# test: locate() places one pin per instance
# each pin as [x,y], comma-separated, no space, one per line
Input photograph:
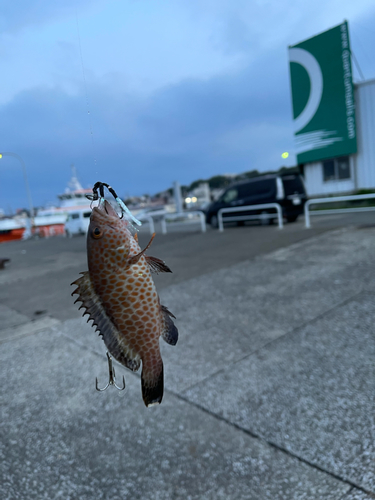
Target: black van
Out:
[286,190]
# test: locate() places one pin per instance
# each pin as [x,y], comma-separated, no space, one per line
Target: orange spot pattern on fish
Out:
[120,297]
[127,298]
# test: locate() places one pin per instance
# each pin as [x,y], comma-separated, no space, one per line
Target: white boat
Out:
[49,221]
[11,229]
[73,198]
[17,228]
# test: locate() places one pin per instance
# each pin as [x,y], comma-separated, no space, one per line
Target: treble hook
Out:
[112,377]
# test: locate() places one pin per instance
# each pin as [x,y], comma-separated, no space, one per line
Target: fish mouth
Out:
[104,212]
[109,209]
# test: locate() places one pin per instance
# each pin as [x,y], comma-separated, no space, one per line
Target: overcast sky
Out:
[140,93]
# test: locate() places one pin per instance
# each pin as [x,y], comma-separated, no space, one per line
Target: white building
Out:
[357,171]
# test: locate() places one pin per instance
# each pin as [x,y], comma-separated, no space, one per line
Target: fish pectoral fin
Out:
[169,331]
[133,260]
[157,265]
[136,237]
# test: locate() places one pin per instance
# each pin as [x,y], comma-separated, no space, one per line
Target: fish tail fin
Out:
[152,380]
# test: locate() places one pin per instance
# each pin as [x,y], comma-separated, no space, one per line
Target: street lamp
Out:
[31,208]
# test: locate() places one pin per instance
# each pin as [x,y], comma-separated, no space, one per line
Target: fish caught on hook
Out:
[119,295]
[112,377]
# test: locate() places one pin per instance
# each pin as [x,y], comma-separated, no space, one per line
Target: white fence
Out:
[184,215]
[150,220]
[250,217]
[336,210]
[173,215]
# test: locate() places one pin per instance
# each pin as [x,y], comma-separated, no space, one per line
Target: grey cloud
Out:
[19,14]
[194,107]
[186,131]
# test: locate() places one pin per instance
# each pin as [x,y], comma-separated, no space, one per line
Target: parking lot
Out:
[270,391]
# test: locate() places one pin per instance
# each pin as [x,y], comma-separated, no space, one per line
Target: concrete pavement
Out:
[270,391]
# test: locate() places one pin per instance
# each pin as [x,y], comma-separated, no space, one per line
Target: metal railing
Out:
[185,215]
[336,210]
[150,220]
[250,217]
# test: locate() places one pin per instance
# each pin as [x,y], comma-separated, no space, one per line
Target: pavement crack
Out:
[276,446]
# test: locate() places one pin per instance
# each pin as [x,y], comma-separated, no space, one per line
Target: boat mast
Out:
[74,183]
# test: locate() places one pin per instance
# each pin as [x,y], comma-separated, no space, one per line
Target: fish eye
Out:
[97,233]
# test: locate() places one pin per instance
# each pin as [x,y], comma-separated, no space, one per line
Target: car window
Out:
[230,195]
[256,188]
[86,215]
[246,190]
[263,187]
[75,216]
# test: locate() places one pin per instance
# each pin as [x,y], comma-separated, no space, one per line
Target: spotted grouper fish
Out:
[120,297]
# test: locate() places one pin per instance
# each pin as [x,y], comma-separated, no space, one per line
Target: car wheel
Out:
[214,222]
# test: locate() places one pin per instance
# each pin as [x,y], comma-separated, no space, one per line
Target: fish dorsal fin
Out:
[157,265]
[111,336]
[169,329]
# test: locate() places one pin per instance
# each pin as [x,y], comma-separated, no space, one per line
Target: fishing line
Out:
[86,93]
[100,185]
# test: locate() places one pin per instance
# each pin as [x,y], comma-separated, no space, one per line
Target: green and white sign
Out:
[323,96]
